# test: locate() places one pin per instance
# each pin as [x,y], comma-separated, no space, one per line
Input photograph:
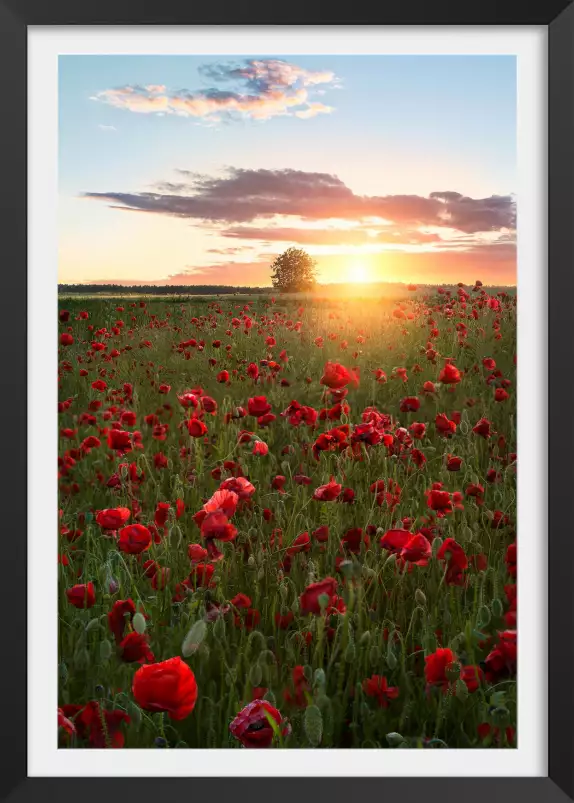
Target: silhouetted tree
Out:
[293,271]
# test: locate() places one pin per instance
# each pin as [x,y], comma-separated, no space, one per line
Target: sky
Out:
[201,170]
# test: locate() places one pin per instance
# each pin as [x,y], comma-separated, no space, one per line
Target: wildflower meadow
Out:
[288,522]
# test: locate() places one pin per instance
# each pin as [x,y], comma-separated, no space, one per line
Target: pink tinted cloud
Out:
[262,89]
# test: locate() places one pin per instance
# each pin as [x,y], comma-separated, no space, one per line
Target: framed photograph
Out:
[286,299]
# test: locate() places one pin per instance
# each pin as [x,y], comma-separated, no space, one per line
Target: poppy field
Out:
[288,522]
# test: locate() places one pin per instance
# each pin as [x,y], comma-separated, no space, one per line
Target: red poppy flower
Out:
[88,723]
[376,686]
[336,376]
[134,538]
[258,406]
[122,610]
[251,725]
[82,595]
[436,664]
[450,375]
[134,648]
[416,550]
[113,518]
[309,599]
[328,492]
[166,686]
[196,427]
[410,404]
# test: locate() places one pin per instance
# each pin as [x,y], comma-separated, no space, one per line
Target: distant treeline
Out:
[158,290]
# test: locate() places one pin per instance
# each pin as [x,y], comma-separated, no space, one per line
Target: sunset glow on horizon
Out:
[201,170]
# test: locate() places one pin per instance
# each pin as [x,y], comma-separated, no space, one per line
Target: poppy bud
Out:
[270,697]
[365,639]
[63,673]
[394,739]
[496,607]
[105,650]
[483,617]
[420,598]
[391,658]
[193,639]
[461,689]
[255,675]
[138,623]
[350,654]
[319,679]
[134,712]
[313,725]
[436,545]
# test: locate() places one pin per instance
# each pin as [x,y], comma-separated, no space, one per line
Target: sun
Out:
[358,273]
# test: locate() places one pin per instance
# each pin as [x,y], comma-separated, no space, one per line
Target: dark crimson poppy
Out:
[166,686]
[134,648]
[82,595]
[134,538]
[483,428]
[454,556]
[453,463]
[472,676]
[501,661]
[251,725]
[510,559]
[410,404]
[122,611]
[88,719]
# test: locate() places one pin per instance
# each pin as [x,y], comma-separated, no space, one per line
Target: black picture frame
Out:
[15,17]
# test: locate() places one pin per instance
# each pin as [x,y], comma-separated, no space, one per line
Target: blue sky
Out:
[383,125]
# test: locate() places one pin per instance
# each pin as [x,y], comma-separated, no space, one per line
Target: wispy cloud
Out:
[260,89]
[242,196]
[107,127]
